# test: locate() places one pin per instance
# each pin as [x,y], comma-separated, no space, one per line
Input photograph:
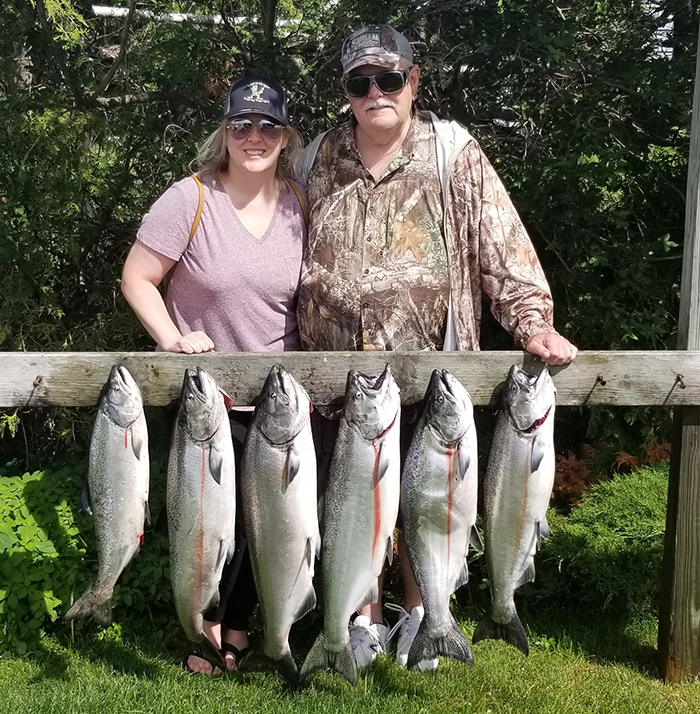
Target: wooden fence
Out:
[44,379]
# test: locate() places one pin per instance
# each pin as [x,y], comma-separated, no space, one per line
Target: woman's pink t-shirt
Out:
[239,289]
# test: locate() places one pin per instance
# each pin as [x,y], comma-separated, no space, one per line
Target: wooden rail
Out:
[45,379]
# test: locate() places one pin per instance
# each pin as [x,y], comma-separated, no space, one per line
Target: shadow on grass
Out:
[608,638]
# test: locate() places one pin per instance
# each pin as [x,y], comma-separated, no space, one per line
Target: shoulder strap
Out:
[193,230]
[301,199]
[303,168]
[200,206]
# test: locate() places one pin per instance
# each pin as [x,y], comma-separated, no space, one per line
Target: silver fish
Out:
[517,489]
[360,508]
[279,496]
[438,511]
[201,504]
[116,492]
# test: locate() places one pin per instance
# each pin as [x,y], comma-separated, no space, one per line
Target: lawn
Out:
[590,666]
[590,619]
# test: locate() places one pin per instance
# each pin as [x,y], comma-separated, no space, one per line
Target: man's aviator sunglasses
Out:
[389,82]
[242,128]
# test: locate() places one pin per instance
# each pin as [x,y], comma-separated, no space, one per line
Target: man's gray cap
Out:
[380,45]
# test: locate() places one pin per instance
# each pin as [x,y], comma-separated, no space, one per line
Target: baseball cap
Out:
[257,95]
[376,44]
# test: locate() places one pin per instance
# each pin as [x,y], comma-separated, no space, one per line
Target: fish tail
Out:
[95,602]
[321,657]
[512,632]
[257,660]
[452,644]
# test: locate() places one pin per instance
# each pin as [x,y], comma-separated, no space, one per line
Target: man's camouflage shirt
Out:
[382,255]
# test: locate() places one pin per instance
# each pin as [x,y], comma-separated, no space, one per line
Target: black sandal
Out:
[238,654]
[189,670]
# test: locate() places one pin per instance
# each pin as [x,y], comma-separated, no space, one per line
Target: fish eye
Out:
[358,394]
[440,399]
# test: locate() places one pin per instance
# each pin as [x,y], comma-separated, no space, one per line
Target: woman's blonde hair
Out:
[212,156]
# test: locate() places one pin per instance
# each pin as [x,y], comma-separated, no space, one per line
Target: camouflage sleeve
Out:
[492,234]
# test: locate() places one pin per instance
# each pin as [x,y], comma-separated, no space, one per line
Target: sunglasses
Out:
[241,129]
[389,82]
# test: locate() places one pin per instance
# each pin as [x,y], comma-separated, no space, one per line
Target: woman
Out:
[229,244]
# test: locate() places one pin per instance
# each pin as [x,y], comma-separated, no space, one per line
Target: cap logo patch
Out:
[256,93]
[368,39]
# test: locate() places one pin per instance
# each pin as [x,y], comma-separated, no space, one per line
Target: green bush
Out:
[48,557]
[606,555]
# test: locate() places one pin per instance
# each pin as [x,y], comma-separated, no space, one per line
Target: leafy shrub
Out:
[606,555]
[48,557]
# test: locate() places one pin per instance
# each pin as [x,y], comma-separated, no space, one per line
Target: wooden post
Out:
[679,618]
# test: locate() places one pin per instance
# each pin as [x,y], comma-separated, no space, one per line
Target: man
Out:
[409,223]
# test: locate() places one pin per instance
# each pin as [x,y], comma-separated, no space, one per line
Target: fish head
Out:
[448,409]
[202,405]
[372,404]
[121,397]
[529,398]
[284,406]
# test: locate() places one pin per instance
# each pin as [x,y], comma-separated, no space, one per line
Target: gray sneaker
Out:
[367,639]
[407,627]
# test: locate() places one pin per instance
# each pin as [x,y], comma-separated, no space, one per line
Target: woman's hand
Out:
[192,343]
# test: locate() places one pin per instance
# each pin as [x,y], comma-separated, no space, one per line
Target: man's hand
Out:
[552,348]
[192,343]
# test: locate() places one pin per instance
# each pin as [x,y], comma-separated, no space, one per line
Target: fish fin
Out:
[462,577]
[542,530]
[390,548]
[209,652]
[95,602]
[382,463]
[307,606]
[138,442]
[451,644]
[463,459]
[257,661]
[228,402]
[85,499]
[291,465]
[231,550]
[475,540]
[372,595]
[320,657]
[216,463]
[537,453]
[223,556]
[317,541]
[527,575]
[512,632]
[146,513]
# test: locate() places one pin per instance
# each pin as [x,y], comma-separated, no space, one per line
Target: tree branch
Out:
[80,97]
[122,52]
[124,99]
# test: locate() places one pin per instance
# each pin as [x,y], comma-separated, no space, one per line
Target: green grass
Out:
[592,643]
[574,666]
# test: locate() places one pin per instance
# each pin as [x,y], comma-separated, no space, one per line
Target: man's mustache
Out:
[377,104]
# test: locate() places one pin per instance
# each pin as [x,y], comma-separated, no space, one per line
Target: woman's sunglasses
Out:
[390,82]
[241,129]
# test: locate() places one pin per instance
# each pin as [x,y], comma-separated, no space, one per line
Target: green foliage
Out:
[605,557]
[48,557]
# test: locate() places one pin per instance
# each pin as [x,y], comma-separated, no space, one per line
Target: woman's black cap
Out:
[257,95]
